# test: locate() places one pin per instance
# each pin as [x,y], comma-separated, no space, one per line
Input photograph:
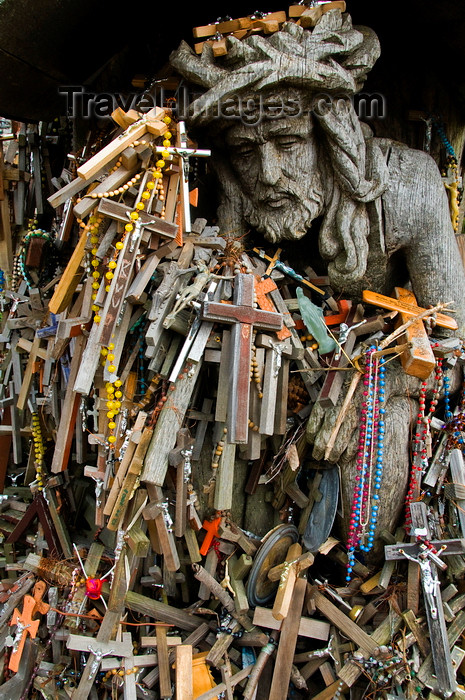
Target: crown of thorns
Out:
[334,56]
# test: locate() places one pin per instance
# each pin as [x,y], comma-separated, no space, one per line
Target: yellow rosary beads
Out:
[39,451]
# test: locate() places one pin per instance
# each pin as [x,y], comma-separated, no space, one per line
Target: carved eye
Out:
[286,143]
[244,151]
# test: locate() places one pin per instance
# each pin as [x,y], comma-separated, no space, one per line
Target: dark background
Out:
[45,44]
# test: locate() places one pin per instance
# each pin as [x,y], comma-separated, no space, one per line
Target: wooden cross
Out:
[406,308]
[275,262]
[244,318]
[457,469]
[264,286]
[38,509]
[418,360]
[184,153]
[24,626]
[150,122]
[99,475]
[287,643]
[180,458]
[287,579]
[157,510]
[120,212]
[273,412]
[98,649]
[212,527]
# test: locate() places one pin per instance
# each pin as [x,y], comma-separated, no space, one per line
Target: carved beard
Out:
[289,221]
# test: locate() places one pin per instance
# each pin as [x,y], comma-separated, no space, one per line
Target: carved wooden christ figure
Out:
[294,162]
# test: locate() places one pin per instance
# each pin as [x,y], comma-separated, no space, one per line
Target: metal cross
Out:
[184,153]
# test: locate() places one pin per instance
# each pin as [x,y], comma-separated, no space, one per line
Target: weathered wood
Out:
[287,642]
[308,627]
[184,685]
[70,278]
[418,360]
[164,437]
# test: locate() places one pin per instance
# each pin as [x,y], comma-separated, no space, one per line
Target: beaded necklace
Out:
[370,458]
[48,257]
[152,183]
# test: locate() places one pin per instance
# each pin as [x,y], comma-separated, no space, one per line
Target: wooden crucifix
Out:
[407,308]
[25,625]
[184,153]
[273,411]
[180,457]
[243,317]
[150,122]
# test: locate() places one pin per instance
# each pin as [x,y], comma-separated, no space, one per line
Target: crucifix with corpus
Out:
[184,153]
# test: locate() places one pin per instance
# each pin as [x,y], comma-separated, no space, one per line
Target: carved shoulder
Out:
[415,204]
[417,221]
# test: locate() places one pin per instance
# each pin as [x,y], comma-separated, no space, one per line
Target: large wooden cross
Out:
[243,317]
[406,308]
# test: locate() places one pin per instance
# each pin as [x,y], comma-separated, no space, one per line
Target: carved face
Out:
[277,169]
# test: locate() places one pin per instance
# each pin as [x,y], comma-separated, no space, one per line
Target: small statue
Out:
[312,316]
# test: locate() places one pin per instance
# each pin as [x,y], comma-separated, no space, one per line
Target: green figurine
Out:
[312,316]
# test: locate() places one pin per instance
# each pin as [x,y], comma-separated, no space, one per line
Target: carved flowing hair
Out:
[333,60]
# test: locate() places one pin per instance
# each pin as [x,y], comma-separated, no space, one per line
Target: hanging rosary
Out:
[370,458]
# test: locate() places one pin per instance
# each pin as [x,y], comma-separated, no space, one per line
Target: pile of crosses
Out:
[151,342]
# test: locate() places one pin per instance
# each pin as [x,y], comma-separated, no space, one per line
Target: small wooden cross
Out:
[98,649]
[212,527]
[99,475]
[24,626]
[418,360]
[275,262]
[153,224]
[457,469]
[157,510]
[263,286]
[275,384]
[244,318]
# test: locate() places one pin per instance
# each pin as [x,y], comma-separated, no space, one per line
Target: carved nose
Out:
[270,166]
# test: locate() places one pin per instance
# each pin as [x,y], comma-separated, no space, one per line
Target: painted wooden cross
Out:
[263,287]
[243,317]
[184,153]
[275,262]
[406,307]
[24,625]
